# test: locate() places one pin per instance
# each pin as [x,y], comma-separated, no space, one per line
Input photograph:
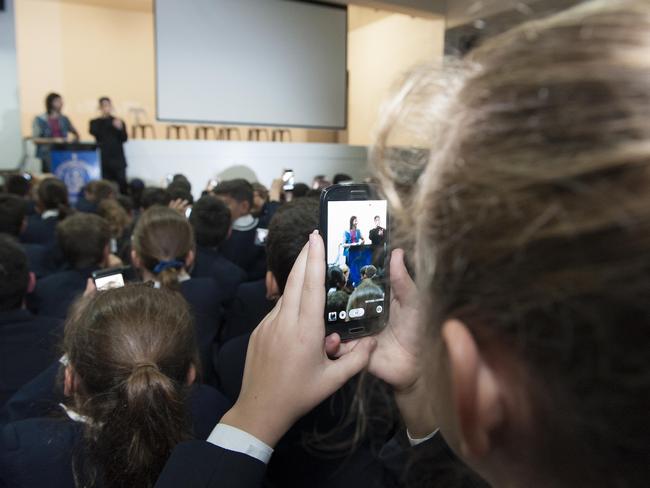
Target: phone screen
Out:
[288,180]
[109,282]
[356,261]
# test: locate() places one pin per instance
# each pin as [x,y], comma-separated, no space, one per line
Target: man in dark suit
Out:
[13,222]
[244,247]
[84,242]
[378,233]
[110,134]
[210,219]
[27,342]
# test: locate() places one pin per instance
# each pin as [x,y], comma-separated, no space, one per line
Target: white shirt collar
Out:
[74,415]
[50,213]
[245,222]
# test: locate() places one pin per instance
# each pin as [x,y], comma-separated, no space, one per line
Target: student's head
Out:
[53,195]
[288,232]
[300,190]
[12,214]
[335,277]
[210,220]
[237,195]
[163,245]
[152,196]
[98,190]
[377,220]
[53,103]
[180,190]
[368,272]
[353,222]
[341,178]
[363,297]
[14,274]
[132,358]
[18,185]
[105,106]
[530,231]
[135,189]
[260,197]
[118,219]
[84,240]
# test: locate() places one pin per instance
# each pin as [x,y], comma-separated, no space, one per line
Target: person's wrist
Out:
[268,426]
[414,404]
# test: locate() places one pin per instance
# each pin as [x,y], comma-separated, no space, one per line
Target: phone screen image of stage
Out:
[356,255]
[109,282]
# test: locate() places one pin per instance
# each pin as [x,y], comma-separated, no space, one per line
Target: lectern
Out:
[76,164]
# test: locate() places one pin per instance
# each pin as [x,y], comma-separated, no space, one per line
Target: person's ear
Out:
[477,393]
[135,259]
[272,288]
[31,284]
[191,375]
[70,381]
[189,259]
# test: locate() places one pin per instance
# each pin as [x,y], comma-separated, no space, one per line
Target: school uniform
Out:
[27,346]
[246,310]
[40,258]
[39,451]
[55,293]
[210,263]
[244,248]
[41,229]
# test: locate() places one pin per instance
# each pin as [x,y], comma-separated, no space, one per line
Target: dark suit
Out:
[27,346]
[55,293]
[40,231]
[377,235]
[241,249]
[38,451]
[247,310]
[209,263]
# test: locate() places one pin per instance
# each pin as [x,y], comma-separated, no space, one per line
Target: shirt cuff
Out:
[415,442]
[234,439]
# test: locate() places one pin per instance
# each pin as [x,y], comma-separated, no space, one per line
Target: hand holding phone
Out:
[288,180]
[107,279]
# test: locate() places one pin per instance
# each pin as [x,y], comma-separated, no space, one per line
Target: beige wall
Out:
[84,51]
[382,46]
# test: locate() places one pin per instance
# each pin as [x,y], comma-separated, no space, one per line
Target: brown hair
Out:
[163,235]
[83,239]
[523,192]
[116,216]
[132,348]
[53,195]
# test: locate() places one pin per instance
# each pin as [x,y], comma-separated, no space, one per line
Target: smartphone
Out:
[354,227]
[188,212]
[212,184]
[106,279]
[288,180]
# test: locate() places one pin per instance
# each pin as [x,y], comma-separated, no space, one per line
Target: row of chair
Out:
[205,132]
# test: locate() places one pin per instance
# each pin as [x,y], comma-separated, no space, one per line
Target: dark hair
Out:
[377,217]
[288,232]
[530,222]
[210,219]
[126,202]
[180,190]
[53,195]
[135,189]
[163,234]
[300,190]
[335,277]
[104,99]
[14,274]
[341,177]
[152,196]
[369,271]
[98,190]
[12,214]
[18,185]
[261,189]
[352,219]
[238,189]
[83,237]
[49,101]
[337,301]
[132,349]
[361,295]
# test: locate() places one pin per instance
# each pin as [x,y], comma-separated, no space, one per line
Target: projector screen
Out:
[251,62]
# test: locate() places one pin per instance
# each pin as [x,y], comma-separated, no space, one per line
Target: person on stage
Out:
[110,133]
[377,235]
[352,237]
[51,125]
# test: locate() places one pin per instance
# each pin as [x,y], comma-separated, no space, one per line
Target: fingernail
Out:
[312,239]
[315,232]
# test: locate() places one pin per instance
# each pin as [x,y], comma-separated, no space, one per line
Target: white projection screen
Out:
[251,62]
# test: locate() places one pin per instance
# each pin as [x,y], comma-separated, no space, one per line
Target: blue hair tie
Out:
[163,265]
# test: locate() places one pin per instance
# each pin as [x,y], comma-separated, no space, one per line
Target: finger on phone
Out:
[312,302]
[293,288]
[332,344]
[400,281]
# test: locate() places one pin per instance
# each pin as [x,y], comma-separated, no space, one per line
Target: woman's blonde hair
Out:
[520,180]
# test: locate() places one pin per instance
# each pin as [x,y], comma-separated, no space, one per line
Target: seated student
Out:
[120,224]
[84,241]
[131,396]
[154,196]
[368,275]
[52,207]
[162,252]
[210,219]
[94,193]
[26,341]
[243,247]
[12,222]
[525,342]
[21,186]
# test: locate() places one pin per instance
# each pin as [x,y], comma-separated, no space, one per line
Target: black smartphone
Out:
[106,279]
[354,226]
[288,180]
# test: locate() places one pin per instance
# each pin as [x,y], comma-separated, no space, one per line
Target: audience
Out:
[129,382]
[244,247]
[94,193]
[26,341]
[210,220]
[120,224]
[84,241]
[52,206]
